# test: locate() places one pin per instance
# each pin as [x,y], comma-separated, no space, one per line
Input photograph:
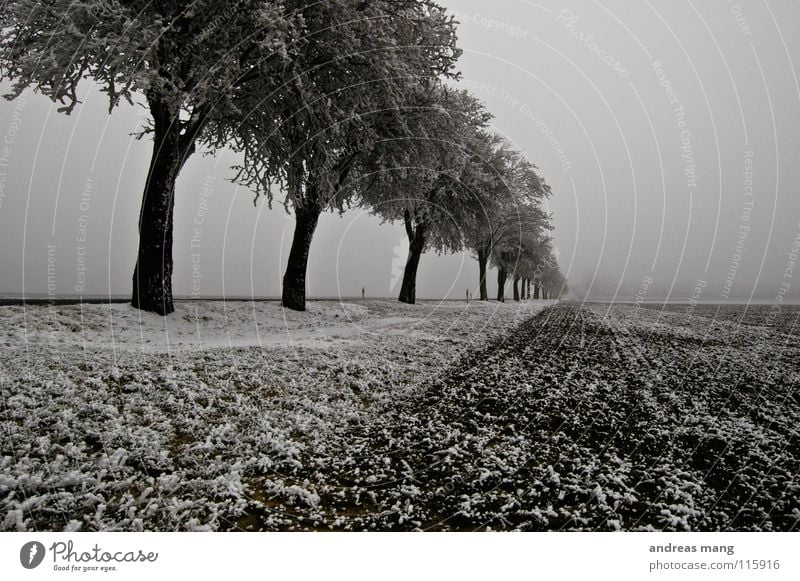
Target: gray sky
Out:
[669,132]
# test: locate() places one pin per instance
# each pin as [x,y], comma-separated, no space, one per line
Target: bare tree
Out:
[352,73]
[187,59]
[508,184]
[418,179]
[517,244]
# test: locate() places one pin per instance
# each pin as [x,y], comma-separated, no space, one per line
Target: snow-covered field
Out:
[380,416]
[116,419]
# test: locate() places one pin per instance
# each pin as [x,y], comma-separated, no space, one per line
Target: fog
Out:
[669,133]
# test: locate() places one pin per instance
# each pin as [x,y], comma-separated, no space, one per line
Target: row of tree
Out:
[331,105]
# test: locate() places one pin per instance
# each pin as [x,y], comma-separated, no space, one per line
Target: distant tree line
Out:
[332,105]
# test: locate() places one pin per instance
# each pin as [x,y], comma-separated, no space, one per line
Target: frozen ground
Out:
[377,416]
[116,419]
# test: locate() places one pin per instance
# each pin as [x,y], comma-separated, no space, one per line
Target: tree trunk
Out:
[516,288]
[536,290]
[294,280]
[152,276]
[528,293]
[501,284]
[483,260]
[416,239]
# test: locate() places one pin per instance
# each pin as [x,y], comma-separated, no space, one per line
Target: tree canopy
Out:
[191,61]
[329,104]
[354,70]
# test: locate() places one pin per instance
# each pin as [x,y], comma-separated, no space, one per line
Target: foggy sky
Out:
[669,132]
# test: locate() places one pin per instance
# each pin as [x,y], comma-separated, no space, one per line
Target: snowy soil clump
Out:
[220,416]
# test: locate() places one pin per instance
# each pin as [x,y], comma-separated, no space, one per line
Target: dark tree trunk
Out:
[528,292]
[501,284]
[152,276]
[294,280]
[536,290]
[306,217]
[416,239]
[516,288]
[483,261]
